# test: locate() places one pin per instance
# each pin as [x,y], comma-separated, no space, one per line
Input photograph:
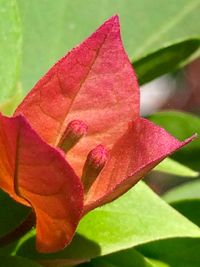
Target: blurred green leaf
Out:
[9,105]
[10,49]
[190,208]
[11,213]
[50,29]
[188,191]
[157,263]
[137,217]
[182,125]
[186,199]
[128,258]
[17,262]
[165,60]
[176,252]
[171,166]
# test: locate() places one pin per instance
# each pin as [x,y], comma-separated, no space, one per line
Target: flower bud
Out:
[95,162]
[75,130]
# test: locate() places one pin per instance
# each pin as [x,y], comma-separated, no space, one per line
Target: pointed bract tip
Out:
[114,20]
[190,139]
[111,22]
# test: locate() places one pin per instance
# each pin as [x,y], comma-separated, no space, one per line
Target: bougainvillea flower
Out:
[77,140]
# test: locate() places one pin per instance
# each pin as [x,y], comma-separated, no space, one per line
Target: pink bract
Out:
[94,87]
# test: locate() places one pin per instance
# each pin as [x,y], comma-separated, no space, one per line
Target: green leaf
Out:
[137,217]
[171,166]
[156,263]
[188,191]
[165,60]
[182,125]
[128,258]
[186,199]
[48,34]
[17,262]
[10,48]
[11,213]
[8,106]
[176,252]
[189,208]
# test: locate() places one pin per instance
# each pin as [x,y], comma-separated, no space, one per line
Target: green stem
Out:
[19,231]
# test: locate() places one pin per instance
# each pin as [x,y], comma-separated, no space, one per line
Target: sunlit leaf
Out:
[136,218]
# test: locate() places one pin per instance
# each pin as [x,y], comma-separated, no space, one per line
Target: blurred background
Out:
[162,40]
[180,91]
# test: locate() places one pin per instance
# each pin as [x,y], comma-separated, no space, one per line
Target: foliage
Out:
[139,228]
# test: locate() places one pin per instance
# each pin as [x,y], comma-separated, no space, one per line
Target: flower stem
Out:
[19,231]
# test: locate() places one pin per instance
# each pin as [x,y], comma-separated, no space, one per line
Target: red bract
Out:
[36,174]
[83,113]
